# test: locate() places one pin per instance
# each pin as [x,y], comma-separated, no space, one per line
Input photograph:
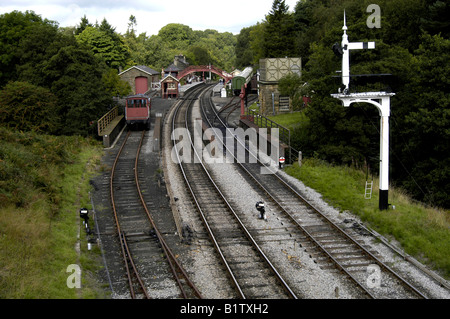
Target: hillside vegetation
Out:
[44,181]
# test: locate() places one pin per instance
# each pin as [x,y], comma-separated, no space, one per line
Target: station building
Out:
[178,65]
[271,71]
[141,78]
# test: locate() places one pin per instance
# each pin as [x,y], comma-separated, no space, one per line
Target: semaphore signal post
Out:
[379,99]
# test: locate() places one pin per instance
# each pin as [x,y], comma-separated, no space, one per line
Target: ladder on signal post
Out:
[368,192]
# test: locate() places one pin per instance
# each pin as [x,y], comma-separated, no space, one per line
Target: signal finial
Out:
[345,23]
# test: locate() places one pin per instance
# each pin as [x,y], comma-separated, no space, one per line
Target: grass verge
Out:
[289,120]
[423,232]
[44,182]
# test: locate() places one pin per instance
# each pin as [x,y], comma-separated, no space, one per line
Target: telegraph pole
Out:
[379,99]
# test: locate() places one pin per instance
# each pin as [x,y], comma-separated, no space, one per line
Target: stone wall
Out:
[265,98]
[131,75]
[281,104]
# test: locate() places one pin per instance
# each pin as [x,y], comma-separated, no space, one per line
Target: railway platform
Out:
[187,87]
[110,126]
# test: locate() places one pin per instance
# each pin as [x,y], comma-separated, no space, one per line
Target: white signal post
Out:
[379,99]
[346,47]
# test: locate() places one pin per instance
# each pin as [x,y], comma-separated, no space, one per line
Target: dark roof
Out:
[147,69]
[142,68]
[172,68]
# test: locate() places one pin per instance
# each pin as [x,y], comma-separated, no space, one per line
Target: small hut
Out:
[169,87]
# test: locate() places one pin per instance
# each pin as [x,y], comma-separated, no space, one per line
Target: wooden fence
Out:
[106,119]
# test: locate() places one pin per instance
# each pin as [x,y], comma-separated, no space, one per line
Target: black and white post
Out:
[379,99]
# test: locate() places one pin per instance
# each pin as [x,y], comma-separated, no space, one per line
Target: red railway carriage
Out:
[137,110]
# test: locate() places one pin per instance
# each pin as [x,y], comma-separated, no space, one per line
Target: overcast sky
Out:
[151,15]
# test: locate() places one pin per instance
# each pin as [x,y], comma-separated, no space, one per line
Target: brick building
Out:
[141,78]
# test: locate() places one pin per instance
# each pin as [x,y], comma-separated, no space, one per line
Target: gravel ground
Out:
[304,274]
[199,259]
[399,264]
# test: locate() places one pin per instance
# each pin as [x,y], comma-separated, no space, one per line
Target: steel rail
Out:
[197,204]
[171,259]
[127,252]
[310,236]
[247,233]
[363,249]
[241,224]
[127,257]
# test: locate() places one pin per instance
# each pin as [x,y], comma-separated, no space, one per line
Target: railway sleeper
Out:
[274,238]
[354,263]
[233,242]
[251,269]
[254,282]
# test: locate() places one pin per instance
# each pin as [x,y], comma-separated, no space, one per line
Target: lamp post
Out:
[381,100]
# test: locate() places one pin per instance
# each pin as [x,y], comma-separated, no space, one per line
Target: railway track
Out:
[233,106]
[330,244]
[251,272]
[149,262]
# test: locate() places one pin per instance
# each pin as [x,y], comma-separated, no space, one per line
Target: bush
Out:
[29,166]
[27,107]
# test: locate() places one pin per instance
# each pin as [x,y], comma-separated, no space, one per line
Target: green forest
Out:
[60,80]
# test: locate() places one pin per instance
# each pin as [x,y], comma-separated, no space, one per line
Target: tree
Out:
[257,42]
[402,22]
[35,48]
[109,30]
[76,79]
[426,125]
[55,66]
[159,50]
[291,85]
[435,20]
[156,53]
[14,27]
[26,107]
[106,45]
[83,25]
[244,52]
[131,25]
[278,32]
[114,85]
[305,26]
[176,35]
[198,55]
